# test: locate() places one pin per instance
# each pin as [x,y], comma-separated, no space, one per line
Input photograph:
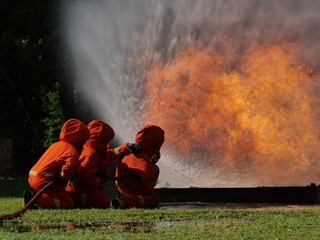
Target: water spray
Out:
[234,84]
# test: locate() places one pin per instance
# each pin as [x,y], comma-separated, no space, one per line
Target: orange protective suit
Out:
[138,170]
[88,190]
[61,160]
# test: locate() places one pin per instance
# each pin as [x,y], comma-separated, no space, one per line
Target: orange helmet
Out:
[100,132]
[74,131]
[150,138]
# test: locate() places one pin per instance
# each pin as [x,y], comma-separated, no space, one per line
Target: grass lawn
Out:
[158,223]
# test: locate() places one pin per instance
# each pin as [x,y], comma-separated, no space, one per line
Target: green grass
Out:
[159,223]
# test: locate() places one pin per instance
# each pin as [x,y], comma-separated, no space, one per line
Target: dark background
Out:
[37,94]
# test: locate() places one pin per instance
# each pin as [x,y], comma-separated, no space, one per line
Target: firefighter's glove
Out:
[155,158]
[134,148]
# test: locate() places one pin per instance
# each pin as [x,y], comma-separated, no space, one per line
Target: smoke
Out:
[116,44]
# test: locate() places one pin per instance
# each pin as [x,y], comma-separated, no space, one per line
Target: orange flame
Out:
[259,116]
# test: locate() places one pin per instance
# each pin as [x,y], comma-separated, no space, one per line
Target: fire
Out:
[258,114]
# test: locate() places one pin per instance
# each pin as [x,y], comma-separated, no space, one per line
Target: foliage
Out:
[53,123]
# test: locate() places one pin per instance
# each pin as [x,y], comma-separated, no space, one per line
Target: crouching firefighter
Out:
[87,190]
[137,174]
[59,163]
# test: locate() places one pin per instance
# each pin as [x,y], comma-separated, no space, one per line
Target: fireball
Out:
[257,114]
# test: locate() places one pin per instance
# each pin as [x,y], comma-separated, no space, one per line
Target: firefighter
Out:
[59,163]
[88,190]
[137,174]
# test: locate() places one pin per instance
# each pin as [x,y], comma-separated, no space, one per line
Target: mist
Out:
[114,45]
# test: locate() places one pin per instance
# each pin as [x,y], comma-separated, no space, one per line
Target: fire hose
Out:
[29,204]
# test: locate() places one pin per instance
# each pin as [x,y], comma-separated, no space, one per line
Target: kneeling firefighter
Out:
[137,174]
[88,189]
[59,163]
